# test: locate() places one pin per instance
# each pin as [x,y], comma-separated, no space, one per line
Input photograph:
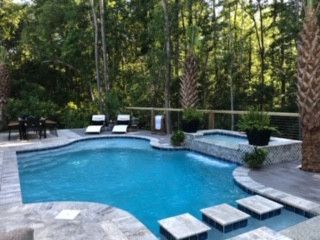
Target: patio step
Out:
[183,226]
[262,233]
[259,207]
[225,218]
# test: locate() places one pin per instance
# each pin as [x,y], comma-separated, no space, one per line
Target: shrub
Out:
[31,105]
[255,120]
[191,120]
[177,138]
[191,114]
[77,116]
[256,158]
[112,104]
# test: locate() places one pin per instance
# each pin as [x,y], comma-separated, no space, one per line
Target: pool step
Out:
[262,233]
[183,226]
[38,165]
[259,207]
[225,218]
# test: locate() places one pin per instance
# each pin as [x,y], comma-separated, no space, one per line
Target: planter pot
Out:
[190,126]
[258,137]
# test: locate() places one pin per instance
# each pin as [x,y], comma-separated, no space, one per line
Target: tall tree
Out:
[309,88]
[4,83]
[104,47]
[167,90]
[96,51]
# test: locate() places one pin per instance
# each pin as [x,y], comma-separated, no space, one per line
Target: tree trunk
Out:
[309,90]
[311,150]
[167,93]
[96,51]
[262,47]
[104,49]
[177,39]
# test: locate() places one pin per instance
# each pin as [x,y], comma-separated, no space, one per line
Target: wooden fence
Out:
[286,121]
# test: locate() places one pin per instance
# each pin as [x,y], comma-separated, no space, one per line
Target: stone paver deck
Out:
[93,221]
[263,233]
[183,226]
[306,230]
[289,178]
[225,216]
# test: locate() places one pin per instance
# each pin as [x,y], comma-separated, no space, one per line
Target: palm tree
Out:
[309,89]
[189,82]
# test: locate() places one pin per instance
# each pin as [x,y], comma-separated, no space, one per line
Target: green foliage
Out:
[177,138]
[191,114]
[255,120]
[3,55]
[256,158]
[51,53]
[112,104]
[77,116]
[31,105]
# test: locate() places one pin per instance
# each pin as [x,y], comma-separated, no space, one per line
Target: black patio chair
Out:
[52,124]
[12,126]
[32,124]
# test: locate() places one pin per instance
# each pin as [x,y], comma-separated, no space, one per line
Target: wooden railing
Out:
[282,118]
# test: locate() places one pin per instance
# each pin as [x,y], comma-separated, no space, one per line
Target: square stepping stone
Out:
[259,207]
[183,226]
[263,233]
[225,217]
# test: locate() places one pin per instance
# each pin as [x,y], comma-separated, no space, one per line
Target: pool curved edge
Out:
[154,142]
[297,204]
[94,221]
[10,191]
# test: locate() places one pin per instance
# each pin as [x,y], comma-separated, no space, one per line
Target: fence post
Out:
[211,120]
[152,120]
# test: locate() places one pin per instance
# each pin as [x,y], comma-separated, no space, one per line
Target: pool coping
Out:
[291,202]
[10,191]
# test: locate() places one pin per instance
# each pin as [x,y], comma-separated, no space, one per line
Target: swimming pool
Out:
[128,173]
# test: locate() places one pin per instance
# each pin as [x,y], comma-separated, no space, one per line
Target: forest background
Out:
[63,63]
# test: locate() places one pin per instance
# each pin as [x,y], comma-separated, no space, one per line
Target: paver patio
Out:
[289,178]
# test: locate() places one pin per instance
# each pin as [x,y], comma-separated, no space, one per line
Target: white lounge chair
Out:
[97,124]
[123,122]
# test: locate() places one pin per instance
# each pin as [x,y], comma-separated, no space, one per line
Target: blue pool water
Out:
[224,139]
[130,174]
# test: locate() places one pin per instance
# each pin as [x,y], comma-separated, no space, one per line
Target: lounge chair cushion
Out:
[120,129]
[123,117]
[94,129]
[18,234]
[98,118]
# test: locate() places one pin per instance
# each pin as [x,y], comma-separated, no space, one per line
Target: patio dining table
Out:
[29,124]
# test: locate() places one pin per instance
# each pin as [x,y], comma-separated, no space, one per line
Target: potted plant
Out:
[256,158]
[177,138]
[191,120]
[257,127]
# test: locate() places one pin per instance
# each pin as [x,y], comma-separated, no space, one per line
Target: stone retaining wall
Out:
[280,150]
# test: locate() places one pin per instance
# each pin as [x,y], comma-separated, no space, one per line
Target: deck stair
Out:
[225,218]
[259,207]
[262,233]
[183,226]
